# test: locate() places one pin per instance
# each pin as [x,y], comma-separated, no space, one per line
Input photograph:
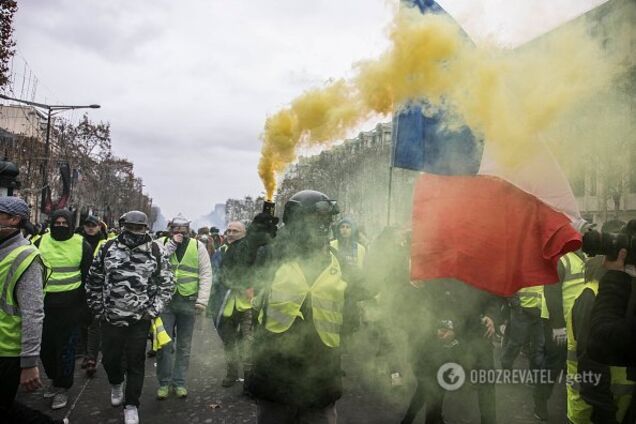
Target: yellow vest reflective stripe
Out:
[360,249]
[290,290]
[12,266]
[573,284]
[579,411]
[64,258]
[574,281]
[186,272]
[530,297]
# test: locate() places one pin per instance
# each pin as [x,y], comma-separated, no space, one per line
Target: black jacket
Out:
[295,367]
[612,338]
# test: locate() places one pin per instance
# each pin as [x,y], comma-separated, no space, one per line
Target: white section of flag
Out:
[511,23]
[539,175]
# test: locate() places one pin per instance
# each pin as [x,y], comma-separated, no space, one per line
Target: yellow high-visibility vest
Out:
[579,411]
[186,272]
[360,249]
[530,297]
[64,258]
[290,290]
[572,285]
[12,266]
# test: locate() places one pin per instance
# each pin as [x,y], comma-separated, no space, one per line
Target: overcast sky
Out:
[187,84]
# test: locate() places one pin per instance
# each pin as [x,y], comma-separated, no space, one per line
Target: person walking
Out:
[22,276]
[69,256]
[190,262]
[130,283]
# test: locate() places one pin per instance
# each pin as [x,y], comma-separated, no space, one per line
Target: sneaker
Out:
[181,391]
[163,392]
[130,415]
[50,391]
[117,394]
[59,400]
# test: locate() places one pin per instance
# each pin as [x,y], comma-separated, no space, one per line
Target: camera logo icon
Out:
[451,376]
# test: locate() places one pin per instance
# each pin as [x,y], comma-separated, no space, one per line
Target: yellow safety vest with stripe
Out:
[290,290]
[64,258]
[579,411]
[11,269]
[361,252]
[572,285]
[186,272]
[530,297]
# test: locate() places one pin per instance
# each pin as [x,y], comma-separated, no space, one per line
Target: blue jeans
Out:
[178,320]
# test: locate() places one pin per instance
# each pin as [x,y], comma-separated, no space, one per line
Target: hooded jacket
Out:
[127,284]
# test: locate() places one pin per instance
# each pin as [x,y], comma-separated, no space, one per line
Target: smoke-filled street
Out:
[363,402]
[322,212]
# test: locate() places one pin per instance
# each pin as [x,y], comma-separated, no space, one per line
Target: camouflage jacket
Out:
[127,284]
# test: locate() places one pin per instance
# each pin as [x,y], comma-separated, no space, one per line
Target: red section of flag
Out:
[486,232]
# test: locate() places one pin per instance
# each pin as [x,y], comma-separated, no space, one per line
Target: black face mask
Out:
[61,233]
[133,240]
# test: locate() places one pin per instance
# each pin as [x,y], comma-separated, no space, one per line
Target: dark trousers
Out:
[525,329]
[554,358]
[12,412]
[89,336]
[59,337]
[431,355]
[236,332]
[129,344]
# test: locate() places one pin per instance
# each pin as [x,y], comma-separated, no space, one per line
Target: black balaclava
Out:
[62,233]
[133,240]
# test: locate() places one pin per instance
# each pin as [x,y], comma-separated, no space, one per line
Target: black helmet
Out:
[308,202]
[134,217]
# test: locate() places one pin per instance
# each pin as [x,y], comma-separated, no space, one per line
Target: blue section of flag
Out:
[425,5]
[424,143]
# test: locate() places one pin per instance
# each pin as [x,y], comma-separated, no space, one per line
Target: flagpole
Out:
[394,129]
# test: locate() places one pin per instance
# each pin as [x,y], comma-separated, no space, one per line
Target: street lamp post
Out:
[51,109]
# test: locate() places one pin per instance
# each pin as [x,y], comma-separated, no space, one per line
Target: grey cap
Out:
[14,206]
[134,217]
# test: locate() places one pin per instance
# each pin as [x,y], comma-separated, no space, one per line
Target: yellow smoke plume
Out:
[508,98]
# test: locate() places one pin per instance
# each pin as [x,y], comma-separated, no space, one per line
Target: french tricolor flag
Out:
[496,227]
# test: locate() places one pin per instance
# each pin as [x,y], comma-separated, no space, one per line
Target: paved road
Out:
[365,401]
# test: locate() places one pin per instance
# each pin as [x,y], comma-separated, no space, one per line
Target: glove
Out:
[559,336]
[264,223]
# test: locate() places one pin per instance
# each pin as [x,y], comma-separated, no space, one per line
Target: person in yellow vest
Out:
[559,299]
[596,393]
[22,276]
[234,316]
[93,233]
[347,245]
[524,328]
[190,264]
[69,256]
[296,350]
